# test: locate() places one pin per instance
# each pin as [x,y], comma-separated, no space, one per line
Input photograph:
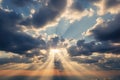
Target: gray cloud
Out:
[77,5]
[46,14]
[107,6]
[108,31]
[11,39]
[103,62]
[15,59]
[109,64]
[18,3]
[111,3]
[84,60]
[83,48]
[107,3]
[21,3]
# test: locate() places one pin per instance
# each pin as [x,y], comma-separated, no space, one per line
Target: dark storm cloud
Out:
[46,14]
[83,48]
[11,39]
[108,31]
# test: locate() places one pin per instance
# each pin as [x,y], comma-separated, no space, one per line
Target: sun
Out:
[54,51]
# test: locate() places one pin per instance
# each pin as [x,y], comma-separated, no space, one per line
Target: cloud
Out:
[24,7]
[107,6]
[9,57]
[106,30]
[47,14]
[52,11]
[15,59]
[16,41]
[84,60]
[77,5]
[83,48]
[12,39]
[78,10]
[111,63]
[102,61]
[55,41]
[21,3]
[105,33]
[18,3]
[32,56]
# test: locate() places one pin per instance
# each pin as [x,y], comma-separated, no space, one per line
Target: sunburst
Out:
[55,51]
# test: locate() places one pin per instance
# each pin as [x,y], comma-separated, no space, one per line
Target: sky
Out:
[84,33]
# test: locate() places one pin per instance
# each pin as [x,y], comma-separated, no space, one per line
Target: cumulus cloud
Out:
[18,42]
[100,61]
[109,64]
[11,38]
[15,59]
[47,14]
[55,41]
[50,11]
[58,10]
[32,56]
[92,59]
[107,6]
[106,30]
[83,48]
[78,10]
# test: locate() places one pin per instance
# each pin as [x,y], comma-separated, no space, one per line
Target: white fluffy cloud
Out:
[107,6]
[75,11]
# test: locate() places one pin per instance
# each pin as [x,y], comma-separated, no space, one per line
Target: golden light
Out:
[54,51]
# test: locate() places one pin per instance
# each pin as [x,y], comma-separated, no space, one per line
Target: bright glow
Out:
[54,51]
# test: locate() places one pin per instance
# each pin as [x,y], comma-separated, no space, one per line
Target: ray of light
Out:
[67,67]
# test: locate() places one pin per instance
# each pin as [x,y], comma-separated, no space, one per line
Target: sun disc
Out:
[55,51]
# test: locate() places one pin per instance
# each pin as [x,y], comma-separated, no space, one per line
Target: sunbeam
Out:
[59,40]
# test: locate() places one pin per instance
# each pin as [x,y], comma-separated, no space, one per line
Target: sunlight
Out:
[54,51]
